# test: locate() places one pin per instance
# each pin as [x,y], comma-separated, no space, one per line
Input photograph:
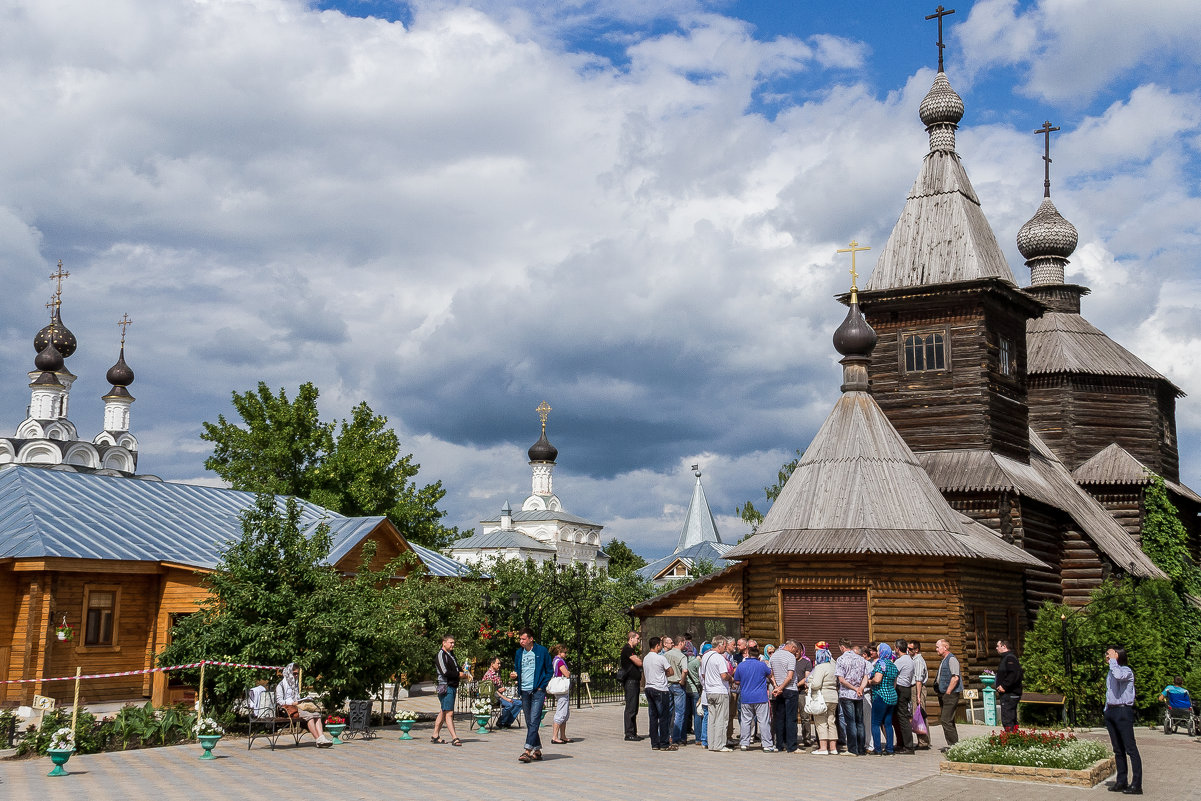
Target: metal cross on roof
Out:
[939,13]
[1046,132]
[124,322]
[543,410]
[853,249]
[58,277]
[53,305]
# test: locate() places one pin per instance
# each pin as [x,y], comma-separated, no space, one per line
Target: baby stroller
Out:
[1179,712]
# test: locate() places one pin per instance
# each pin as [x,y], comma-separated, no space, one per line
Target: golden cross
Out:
[939,13]
[58,277]
[543,410]
[124,322]
[1046,132]
[853,249]
[53,305]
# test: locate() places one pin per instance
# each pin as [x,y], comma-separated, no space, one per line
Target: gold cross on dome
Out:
[854,248]
[58,277]
[53,306]
[543,410]
[124,322]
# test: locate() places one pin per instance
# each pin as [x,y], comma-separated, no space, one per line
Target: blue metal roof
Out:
[711,551]
[54,513]
[502,538]
[545,515]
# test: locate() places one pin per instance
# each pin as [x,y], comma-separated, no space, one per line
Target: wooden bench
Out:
[1048,699]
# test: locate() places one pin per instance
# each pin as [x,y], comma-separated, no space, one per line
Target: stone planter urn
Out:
[59,757]
[207,741]
[988,681]
[405,727]
[481,724]
[335,730]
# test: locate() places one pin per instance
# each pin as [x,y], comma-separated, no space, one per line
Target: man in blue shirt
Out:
[1119,721]
[753,677]
[532,671]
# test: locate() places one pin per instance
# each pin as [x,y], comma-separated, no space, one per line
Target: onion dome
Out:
[542,450]
[48,360]
[55,331]
[941,110]
[120,374]
[855,337]
[1047,233]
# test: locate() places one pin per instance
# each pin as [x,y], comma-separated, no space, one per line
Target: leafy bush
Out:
[90,735]
[1146,617]
[1031,749]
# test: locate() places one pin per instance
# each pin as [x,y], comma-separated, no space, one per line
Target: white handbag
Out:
[559,685]
[815,704]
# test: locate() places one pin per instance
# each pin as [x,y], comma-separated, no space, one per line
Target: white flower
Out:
[62,740]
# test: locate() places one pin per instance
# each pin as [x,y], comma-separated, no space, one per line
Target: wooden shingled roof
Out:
[1044,479]
[860,489]
[942,235]
[1115,465]
[1063,342]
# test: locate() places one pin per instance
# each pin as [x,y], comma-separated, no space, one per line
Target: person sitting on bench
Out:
[287,695]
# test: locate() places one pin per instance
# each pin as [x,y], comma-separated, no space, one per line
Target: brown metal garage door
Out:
[812,615]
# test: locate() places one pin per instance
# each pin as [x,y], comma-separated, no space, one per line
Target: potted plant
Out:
[335,726]
[208,732]
[62,745]
[405,719]
[63,631]
[989,678]
[481,710]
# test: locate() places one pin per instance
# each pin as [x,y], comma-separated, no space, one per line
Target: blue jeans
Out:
[679,699]
[658,704]
[531,706]
[852,721]
[508,713]
[689,715]
[882,718]
[702,734]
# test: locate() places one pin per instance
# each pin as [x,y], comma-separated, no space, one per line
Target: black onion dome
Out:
[1047,233]
[542,450]
[48,360]
[854,337]
[120,374]
[64,340]
[942,104]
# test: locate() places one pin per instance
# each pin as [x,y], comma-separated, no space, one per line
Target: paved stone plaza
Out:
[599,765]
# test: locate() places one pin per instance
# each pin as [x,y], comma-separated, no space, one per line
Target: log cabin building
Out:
[1021,417]
[117,557]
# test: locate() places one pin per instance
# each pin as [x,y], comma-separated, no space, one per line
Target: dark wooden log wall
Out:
[994,606]
[969,405]
[1079,416]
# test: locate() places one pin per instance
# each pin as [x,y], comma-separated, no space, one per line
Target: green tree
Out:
[622,558]
[354,468]
[749,513]
[1164,538]
[1145,617]
[275,599]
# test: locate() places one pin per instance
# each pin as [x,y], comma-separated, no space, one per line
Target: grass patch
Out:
[1031,749]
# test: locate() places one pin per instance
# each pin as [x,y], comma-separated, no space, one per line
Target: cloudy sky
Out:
[629,209]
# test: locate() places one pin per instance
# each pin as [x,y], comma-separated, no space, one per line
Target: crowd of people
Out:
[866,700]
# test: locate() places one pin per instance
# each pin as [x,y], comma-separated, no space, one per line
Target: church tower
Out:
[950,368]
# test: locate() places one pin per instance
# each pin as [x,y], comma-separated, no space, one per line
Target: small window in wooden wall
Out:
[1005,356]
[925,352]
[101,606]
[980,625]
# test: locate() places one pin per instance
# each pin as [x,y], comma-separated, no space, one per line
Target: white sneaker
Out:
[743,747]
[724,750]
[822,751]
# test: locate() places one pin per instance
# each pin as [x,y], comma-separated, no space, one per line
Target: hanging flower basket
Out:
[64,632]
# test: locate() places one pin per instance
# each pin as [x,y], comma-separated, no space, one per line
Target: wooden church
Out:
[988,453]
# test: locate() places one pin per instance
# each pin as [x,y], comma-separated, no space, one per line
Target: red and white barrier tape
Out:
[145,670]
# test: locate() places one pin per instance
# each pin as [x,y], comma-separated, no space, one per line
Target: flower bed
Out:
[1031,756]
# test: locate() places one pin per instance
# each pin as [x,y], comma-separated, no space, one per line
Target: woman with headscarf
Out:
[287,695]
[884,698]
[823,680]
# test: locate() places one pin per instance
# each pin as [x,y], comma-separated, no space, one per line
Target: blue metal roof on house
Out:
[710,551]
[55,513]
